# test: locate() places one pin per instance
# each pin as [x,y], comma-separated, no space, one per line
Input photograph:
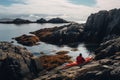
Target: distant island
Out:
[24,21]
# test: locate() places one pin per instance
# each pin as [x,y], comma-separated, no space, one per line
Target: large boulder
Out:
[102,26]
[17,63]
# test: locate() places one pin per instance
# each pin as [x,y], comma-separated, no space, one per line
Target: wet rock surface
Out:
[27,40]
[17,63]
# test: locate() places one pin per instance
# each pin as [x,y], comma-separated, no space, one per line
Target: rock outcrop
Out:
[102,26]
[61,35]
[27,40]
[17,63]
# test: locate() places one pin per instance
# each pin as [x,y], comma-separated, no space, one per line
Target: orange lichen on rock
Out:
[51,61]
[44,34]
[62,52]
[28,40]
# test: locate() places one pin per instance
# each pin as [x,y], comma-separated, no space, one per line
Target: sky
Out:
[74,10]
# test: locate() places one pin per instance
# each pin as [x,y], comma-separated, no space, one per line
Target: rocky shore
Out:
[100,27]
[105,66]
[17,63]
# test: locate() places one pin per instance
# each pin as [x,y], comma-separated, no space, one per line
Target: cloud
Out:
[108,4]
[58,8]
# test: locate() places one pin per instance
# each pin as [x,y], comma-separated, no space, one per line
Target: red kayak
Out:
[88,59]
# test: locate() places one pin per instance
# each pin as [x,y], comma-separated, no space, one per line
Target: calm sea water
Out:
[9,31]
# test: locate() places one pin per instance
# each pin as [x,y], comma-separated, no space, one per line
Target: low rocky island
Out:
[57,20]
[16,21]
[24,21]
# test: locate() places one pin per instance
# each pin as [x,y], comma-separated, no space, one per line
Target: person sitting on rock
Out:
[80,60]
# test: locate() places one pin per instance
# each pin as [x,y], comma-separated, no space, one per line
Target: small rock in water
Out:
[62,52]
[12,41]
[42,53]
[74,49]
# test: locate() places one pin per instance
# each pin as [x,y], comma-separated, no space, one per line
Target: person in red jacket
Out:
[80,60]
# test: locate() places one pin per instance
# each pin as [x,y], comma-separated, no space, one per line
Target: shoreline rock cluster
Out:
[60,35]
[66,34]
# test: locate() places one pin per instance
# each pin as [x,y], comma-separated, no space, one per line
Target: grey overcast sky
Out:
[68,9]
